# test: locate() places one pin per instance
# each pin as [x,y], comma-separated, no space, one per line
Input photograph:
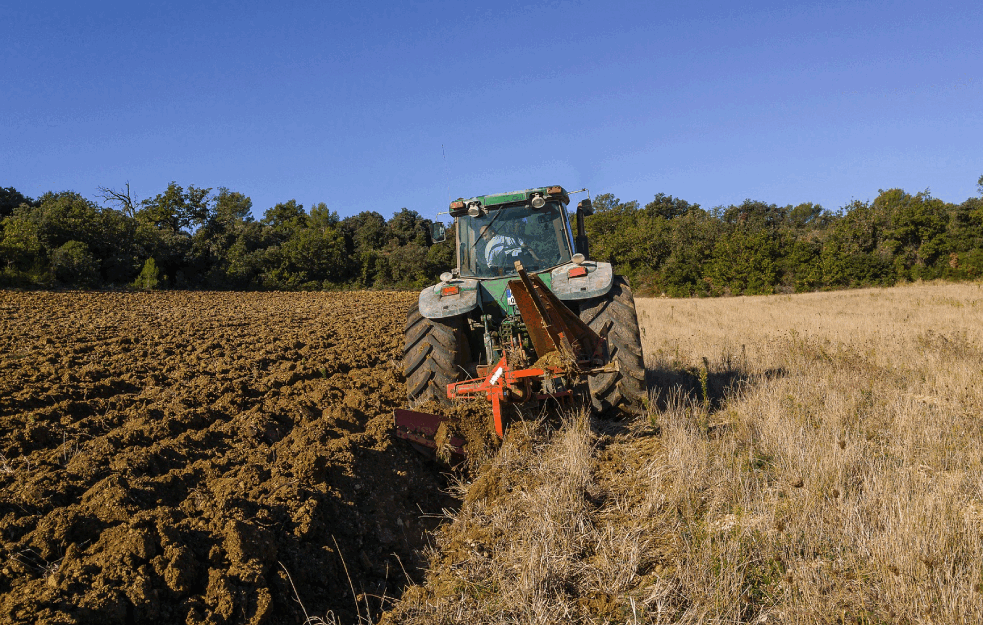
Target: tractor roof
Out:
[521,197]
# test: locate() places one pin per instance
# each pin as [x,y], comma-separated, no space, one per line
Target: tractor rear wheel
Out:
[623,391]
[435,352]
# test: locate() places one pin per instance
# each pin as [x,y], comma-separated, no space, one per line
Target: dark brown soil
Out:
[169,457]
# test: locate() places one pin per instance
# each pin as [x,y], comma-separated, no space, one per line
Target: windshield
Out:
[490,244]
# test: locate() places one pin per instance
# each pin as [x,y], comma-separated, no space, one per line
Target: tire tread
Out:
[624,391]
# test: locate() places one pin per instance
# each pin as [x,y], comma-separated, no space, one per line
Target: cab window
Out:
[490,244]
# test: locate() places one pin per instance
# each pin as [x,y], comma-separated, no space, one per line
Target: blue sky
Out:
[377,106]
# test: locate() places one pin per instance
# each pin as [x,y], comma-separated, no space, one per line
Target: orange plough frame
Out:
[504,384]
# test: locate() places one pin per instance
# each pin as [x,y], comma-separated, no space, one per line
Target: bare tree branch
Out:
[120,199]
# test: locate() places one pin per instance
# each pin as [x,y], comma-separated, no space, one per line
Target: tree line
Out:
[672,247]
[194,238]
[200,238]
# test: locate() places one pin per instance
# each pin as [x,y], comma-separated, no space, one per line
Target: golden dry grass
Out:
[811,458]
[844,469]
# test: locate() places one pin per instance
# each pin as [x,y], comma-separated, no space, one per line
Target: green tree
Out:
[756,215]
[851,254]
[170,250]
[966,225]
[408,226]
[321,217]
[207,258]
[246,257]
[73,264]
[965,240]
[149,277]
[915,230]
[114,246]
[661,247]
[440,256]
[366,231]
[365,234]
[64,217]
[285,218]
[20,247]
[746,260]
[668,207]
[177,209]
[808,217]
[606,228]
[692,241]
[802,264]
[315,255]
[232,208]
[11,198]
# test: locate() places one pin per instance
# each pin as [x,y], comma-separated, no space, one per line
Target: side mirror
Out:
[438,233]
[584,209]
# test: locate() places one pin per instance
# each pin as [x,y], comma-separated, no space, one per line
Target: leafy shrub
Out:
[73,264]
[149,277]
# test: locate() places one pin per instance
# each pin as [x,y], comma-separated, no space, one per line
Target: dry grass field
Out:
[811,458]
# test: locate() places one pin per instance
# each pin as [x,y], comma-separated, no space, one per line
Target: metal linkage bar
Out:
[504,384]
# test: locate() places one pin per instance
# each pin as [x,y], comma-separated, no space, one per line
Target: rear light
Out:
[553,190]
[577,272]
[457,205]
[449,290]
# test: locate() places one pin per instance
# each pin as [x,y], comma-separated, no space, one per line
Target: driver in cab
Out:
[503,248]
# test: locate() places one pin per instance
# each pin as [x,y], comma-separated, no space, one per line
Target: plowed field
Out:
[171,457]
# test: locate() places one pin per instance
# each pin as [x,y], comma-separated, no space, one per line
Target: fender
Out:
[597,282]
[435,306]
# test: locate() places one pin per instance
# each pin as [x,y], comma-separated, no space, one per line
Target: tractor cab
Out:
[495,235]
[530,226]
[491,242]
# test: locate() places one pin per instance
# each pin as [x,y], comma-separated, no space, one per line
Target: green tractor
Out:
[525,318]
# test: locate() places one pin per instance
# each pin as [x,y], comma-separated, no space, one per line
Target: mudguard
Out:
[597,282]
[433,306]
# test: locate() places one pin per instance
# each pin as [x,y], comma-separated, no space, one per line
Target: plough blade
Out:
[421,428]
[551,325]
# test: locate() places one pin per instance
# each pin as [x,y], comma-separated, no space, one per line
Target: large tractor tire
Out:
[435,352]
[623,392]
